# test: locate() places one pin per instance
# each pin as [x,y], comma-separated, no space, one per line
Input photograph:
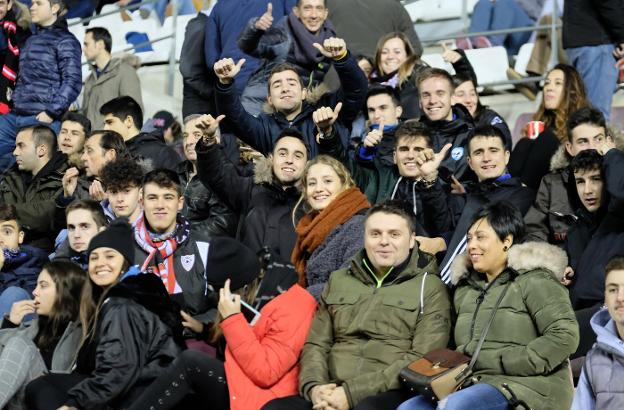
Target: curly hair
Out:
[120,174]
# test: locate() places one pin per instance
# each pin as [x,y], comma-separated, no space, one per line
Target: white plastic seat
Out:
[522,59]
[490,64]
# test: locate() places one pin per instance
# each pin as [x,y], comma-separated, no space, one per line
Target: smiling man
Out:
[121,180]
[390,292]
[74,130]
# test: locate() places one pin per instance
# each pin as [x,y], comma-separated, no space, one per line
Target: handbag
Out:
[444,371]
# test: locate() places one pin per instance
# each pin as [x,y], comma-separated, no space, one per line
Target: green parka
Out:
[365,331]
[534,331]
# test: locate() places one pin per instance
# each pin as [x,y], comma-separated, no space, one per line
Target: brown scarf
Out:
[314,227]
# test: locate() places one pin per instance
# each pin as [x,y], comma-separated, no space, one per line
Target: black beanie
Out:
[230,259]
[118,236]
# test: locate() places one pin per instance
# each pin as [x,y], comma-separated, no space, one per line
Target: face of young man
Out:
[586,136]
[27,156]
[387,240]
[125,202]
[5,5]
[90,48]
[286,93]
[42,12]
[81,228]
[94,156]
[71,138]
[435,98]
[589,185]
[312,14]
[487,157]
[122,127]
[614,298]
[289,160]
[161,206]
[405,155]
[381,107]
[11,236]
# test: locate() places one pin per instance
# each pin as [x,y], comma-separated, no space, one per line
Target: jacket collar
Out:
[522,258]
[608,339]
[417,263]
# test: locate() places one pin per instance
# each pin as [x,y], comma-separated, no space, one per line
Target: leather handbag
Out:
[444,371]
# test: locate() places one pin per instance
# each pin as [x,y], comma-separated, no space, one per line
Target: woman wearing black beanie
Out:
[131,332]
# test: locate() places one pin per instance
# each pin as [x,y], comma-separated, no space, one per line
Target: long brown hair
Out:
[407,67]
[574,97]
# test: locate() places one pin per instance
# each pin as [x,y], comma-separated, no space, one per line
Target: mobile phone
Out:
[252,315]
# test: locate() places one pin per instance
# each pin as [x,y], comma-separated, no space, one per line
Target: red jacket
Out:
[262,362]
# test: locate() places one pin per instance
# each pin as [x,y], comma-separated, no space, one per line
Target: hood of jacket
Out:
[608,339]
[522,258]
[58,163]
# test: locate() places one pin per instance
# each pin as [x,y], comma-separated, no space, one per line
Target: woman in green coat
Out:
[524,360]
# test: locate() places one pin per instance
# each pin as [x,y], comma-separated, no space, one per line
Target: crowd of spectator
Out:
[327,210]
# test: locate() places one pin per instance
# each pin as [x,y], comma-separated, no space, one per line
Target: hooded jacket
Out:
[599,386]
[117,79]
[22,269]
[138,334]
[366,330]
[50,77]
[260,132]
[263,206]
[34,198]
[534,330]
[152,151]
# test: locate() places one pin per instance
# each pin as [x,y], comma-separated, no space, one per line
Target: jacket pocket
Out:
[343,309]
[397,316]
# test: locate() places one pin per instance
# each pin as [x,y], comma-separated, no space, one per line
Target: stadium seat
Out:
[431,10]
[490,65]
[522,59]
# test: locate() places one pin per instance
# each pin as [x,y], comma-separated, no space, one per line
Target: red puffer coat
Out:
[262,361]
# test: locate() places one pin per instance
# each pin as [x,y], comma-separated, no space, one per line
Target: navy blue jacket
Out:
[23,269]
[50,77]
[260,132]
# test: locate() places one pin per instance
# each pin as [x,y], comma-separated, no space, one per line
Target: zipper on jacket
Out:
[479,301]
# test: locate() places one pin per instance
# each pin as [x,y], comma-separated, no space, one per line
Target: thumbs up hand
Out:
[325,117]
[266,20]
[450,56]
[333,47]
[226,70]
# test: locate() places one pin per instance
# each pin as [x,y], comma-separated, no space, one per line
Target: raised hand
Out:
[209,126]
[266,20]
[70,181]
[21,309]
[229,304]
[333,47]
[96,191]
[325,117]
[448,55]
[568,274]
[226,69]
[429,162]
[374,137]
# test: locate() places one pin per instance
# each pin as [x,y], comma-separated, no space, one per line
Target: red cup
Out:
[534,128]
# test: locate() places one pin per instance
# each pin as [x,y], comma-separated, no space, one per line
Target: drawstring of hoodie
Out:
[396,187]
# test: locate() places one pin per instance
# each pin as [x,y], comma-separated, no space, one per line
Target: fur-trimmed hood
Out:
[263,171]
[561,159]
[522,258]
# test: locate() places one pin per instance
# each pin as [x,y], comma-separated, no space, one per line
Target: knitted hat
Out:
[118,236]
[230,259]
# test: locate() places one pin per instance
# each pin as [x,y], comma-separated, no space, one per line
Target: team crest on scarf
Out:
[187,262]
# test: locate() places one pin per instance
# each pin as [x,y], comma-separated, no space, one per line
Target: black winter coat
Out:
[152,151]
[264,208]
[50,77]
[593,23]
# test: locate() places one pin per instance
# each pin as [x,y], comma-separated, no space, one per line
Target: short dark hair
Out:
[78,118]
[122,107]
[504,218]
[101,34]
[281,67]
[413,129]
[485,131]
[120,174]
[587,160]
[615,263]
[585,115]
[432,72]
[42,135]
[292,133]
[8,212]
[164,178]
[97,213]
[379,89]
[111,140]
[61,4]
[395,207]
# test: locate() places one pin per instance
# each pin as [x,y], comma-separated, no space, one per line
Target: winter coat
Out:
[379,179]
[151,149]
[134,342]
[361,23]
[534,330]
[336,252]
[118,79]
[35,199]
[591,23]
[22,270]
[208,214]
[260,132]
[599,386]
[66,347]
[478,196]
[596,238]
[263,206]
[50,76]
[454,132]
[262,361]
[364,333]
[530,159]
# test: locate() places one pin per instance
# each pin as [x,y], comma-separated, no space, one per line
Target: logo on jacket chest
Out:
[187,262]
[457,153]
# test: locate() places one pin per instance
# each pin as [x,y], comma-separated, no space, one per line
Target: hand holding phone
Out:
[229,304]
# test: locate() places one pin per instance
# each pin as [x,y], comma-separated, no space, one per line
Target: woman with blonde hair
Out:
[332,230]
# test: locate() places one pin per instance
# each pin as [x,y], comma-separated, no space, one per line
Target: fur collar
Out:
[561,159]
[263,171]
[522,258]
